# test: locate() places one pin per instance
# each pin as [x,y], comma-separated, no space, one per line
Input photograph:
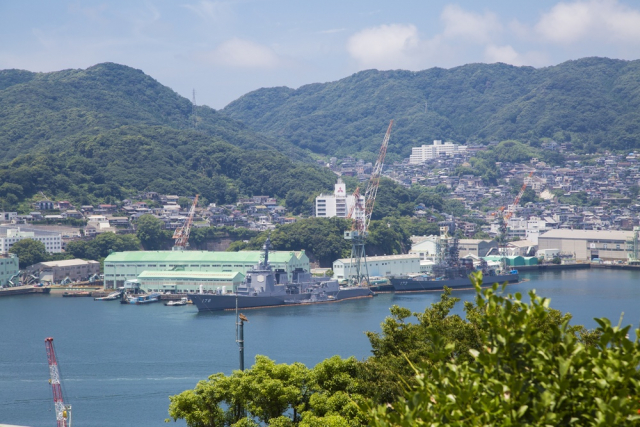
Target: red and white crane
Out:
[63,412]
[181,235]
[361,215]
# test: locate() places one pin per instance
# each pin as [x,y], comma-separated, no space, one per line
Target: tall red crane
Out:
[181,235]
[517,199]
[361,215]
[63,412]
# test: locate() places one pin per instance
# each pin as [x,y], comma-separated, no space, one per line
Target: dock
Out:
[23,290]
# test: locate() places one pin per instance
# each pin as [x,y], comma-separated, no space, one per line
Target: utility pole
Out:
[240,319]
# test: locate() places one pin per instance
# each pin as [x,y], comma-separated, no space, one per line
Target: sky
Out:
[224,49]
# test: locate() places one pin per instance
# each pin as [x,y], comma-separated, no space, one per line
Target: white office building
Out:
[9,236]
[337,204]
[438,149]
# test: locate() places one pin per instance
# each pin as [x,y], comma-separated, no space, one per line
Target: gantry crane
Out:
[361,216]
[63,411]
[181,235]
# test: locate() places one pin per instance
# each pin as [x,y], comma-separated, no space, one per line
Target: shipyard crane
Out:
[63,411]
[361,216]
[181,235]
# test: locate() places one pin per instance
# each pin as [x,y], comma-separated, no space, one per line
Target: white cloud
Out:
[384,46]
[241,53]
[603,20]
[215,11]
[474,27]
[506,54]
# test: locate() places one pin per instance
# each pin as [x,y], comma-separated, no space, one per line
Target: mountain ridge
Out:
[473,103]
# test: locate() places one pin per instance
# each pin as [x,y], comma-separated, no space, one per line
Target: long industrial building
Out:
[57,271]
[387,265]
[587,245]
[121,266]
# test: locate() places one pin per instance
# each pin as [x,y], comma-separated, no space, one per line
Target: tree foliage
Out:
[151,232]
[102,244]
[507,362]
[522,374]
[276,395]
[102,134]
[29,252]
[589,102]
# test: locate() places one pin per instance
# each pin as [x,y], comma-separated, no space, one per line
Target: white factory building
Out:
[381,266]
[337,204]
[10,235]
[438,149]
[588,245]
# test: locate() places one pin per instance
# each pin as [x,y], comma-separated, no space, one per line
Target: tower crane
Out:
[361,215]
[63,411]
[181,235]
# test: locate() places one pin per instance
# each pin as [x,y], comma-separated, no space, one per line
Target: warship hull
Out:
[406,284]
[215,302]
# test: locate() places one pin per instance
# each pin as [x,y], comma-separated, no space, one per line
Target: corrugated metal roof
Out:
[587,234]
[191,275]
[384,258]
[68,263]
[199,256]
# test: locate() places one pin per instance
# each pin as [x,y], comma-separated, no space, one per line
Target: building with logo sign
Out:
[337,204]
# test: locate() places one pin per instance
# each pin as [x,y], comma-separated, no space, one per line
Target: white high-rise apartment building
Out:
[337,204]
[52,241]
[428,152]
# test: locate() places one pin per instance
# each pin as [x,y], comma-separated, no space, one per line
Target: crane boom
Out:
[181,235]
[361,216]
[374,182]
[62,411]
[517,199]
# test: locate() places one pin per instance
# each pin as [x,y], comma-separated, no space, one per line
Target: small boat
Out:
[181,301]
[144,299]
[77,294]
[111,297]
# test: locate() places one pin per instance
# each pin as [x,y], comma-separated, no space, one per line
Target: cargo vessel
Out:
[265,287]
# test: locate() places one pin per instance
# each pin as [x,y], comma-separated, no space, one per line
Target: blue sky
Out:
[224,49]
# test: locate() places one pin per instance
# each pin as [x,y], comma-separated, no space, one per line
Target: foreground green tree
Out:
[275,395]
[523,374]
[29,252]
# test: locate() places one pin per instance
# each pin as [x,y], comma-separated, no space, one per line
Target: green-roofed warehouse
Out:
[121,266]
[188,281]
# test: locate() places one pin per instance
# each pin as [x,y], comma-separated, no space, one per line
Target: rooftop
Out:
[68,263]
[587,234]
[191,275]
[201,256]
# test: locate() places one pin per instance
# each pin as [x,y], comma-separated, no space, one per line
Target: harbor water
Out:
[120,363]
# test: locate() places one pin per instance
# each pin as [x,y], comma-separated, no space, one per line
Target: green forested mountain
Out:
[99,134]
[47,110]
[591,102]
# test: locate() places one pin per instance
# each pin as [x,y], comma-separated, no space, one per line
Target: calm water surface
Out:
[120,363]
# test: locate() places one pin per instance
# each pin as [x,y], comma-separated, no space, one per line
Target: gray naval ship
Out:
[266,287]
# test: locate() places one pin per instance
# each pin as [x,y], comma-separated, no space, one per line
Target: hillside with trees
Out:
[591,102]
[101,134]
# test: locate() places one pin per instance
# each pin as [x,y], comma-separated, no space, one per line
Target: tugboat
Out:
[181,301]
[265,287]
